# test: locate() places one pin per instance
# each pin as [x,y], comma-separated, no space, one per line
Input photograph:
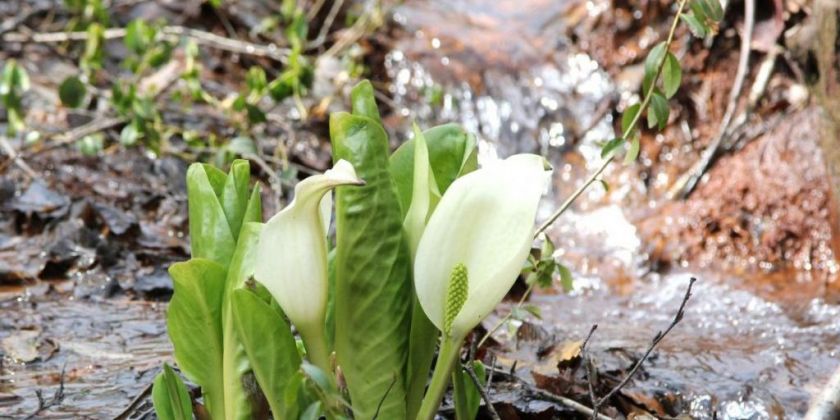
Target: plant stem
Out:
[450,350]
[648,95]
[317,351]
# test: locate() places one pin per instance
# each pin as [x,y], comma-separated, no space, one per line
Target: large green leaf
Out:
[219,204]
[210,234]
[452,153]
[235,363]
[194,322]
[373,291]
[170,396]
[270,346]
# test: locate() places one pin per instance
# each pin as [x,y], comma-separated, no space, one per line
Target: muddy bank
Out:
[764,208]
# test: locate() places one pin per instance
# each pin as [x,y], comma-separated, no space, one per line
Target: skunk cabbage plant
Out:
[199,317]
[292,257]
[426,245]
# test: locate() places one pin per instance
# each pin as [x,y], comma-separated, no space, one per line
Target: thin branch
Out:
[686,183]
[325,28]
[481,390]
[548,396]
[587,364]
[15,157]
[56,399]
[204,38]
[134,402]
[508,316]
[656,339]
[632,126]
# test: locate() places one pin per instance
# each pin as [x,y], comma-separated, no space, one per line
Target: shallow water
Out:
[749,347]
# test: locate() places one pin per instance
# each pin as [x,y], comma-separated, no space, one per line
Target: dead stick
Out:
[204,38]
[548,396]
[15,157]
[688,181]
[656,339]
[134,402]
[481,390]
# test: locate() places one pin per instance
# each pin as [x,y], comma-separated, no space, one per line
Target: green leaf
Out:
[466,394]
[170,396]
[452,153]
[610,147]
[628,117]
[363,101]
[194,323]
[91,145]
[235,362]
[373,287]
[72,92]
[270,347]
[313,412]
[632,151]
[566,275]
[255,114]
[210,233]
[139,36]
[658,111]
[713,9]
[256,80]
[699,11]
[652,61]
[671,75]
[698,27]
[129,134]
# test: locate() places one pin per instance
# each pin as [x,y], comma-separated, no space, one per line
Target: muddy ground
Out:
[84,243]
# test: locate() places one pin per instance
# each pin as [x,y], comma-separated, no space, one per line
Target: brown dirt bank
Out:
[765,207]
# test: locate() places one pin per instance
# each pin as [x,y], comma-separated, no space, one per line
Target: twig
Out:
[481,390]
[507,317]
[325,28]
[632,126]
[56,399]
[315,9]
[604,107]
[134,402]
[548,396]
[200,37]
[686,183]
[587,364]
[13,23]
[15,157]
[353,34]
[656,339]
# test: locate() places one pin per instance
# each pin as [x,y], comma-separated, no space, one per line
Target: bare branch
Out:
[481,390]
[656,339]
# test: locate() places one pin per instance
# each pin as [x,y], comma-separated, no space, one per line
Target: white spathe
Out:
[292,251]
[485,220]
